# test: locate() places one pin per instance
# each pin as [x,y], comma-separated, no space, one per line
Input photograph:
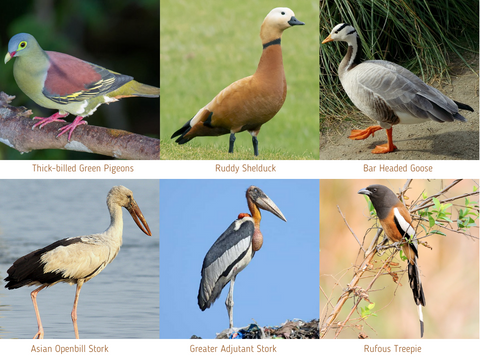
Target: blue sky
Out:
[280,283]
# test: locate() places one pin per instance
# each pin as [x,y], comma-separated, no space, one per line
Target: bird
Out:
[396,222]
[70,85]
[234,250]
[250,102]
[75,260]
[388,93]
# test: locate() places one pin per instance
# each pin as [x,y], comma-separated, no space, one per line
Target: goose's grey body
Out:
[387,92]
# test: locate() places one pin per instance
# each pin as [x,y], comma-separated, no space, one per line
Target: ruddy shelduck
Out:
[250,102]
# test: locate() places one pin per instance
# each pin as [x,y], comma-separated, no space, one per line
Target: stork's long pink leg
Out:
[33,295]
[74,310]
[70,127]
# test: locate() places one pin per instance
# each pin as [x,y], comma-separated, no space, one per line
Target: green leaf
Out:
[424,228]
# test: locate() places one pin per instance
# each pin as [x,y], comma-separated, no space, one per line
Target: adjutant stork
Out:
[76,260]
[233,250]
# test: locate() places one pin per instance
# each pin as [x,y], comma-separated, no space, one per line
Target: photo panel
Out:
[279,284]
[446,239]
[41,212]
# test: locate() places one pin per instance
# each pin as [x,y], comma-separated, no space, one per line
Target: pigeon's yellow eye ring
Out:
[22,45]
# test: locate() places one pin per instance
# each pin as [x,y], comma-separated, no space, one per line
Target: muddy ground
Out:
[426,141]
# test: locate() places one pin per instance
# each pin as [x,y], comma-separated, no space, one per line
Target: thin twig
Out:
[343,298]
[366,290]
[349,228]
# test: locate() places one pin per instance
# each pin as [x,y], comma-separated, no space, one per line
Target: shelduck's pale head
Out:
[342,32]
[276,21]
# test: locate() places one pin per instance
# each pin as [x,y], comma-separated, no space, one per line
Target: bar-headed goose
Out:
[387,92]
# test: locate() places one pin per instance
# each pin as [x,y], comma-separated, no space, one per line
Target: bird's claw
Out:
[71,127]
[363,134]
[47,120]
[384,149]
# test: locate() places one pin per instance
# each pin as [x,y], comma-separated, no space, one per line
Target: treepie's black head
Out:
[381,196]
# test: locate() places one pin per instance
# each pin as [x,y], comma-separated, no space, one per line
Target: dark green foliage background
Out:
[420,35]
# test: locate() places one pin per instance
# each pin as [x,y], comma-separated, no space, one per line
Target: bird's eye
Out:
[283,12]
[22,45]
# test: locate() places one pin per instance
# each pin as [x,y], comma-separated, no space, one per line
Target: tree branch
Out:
[16,132]
[356,278]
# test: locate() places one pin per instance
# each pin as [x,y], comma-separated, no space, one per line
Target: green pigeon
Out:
[70,85]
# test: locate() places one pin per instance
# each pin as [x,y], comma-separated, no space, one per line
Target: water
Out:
[122,301]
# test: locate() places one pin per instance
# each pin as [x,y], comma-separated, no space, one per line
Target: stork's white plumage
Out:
[76,260]
[234,250]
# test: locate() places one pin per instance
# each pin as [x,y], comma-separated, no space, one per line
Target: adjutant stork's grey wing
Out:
[232,251]
[405,92]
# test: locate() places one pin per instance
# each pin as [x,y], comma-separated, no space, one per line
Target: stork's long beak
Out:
[137,216]
[364,191]
[327,39]
[265,203]
[8,57]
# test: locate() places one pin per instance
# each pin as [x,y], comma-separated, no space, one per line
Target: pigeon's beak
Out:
[9,56]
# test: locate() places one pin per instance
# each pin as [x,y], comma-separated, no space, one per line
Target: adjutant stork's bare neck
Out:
[254,211]
[257,238]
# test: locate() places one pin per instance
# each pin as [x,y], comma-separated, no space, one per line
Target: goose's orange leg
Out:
[385,148]
[363,134]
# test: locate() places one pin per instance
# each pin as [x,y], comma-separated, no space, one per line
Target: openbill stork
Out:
[76,260]
[234,250]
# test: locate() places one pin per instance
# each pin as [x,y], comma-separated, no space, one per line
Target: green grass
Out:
[207,45]
[169,150]
[420,35]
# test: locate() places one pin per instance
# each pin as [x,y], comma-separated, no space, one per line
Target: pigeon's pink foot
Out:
[70,127]
[57,117]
